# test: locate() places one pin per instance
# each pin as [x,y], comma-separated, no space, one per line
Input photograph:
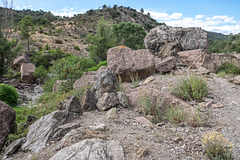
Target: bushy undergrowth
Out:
[173,113]
[8,94]
[191,88]
[228,68]
[216,146]
[95,68]
[40,72]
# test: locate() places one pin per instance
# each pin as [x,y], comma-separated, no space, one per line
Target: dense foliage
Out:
[8,94]
[229,68]
[129,34]
[231,44]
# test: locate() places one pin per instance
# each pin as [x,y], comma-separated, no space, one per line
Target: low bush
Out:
[228,68]
[8,94]
[76,48]
[216,146]
[191,88]
[101,63]
[41,72]
[58,41]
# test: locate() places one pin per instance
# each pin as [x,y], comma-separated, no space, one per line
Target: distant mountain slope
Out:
[212,36]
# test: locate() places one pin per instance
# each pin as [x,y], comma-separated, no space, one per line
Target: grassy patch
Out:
[191,88]
[228,69]
[135,81]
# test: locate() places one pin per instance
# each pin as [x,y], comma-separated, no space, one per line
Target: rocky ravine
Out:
[162,141]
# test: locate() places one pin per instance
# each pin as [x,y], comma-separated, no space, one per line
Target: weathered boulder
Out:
[130,64]
[7,122]
[27,70]
[188,38]
[194,58]
[56,85]
[107,101]
[156,97]
[105,81]
[201,71]
[144,121]
[13,147]
[91,149]
[17,63]
[165,65]
[236,80]
[41,132]
[71,104]
[88,100]
[123,99]
[170,49]
[87,79]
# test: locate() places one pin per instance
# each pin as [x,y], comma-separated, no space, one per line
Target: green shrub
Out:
[101,63]
[8,94]
[191,88]
[48,85]
[58,41]
[12,74]
[228,68]
[40,72]
[216,146]
[76,48]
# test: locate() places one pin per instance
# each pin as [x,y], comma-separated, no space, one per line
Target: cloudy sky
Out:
[213,15]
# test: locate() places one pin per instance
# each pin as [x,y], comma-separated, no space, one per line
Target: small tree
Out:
[142,10]
[130,34]
[26,27]
[102,41]
[58,32]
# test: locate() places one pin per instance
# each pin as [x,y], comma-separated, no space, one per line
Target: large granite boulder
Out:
[105,81]
[188,38]
[19,61]
[165,65]
[87,79]
[195,58]
[91,149]
[27,70]
[7,122]
[130,64]
[44,129]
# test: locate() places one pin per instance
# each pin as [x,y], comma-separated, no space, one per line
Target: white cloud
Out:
[218,23]
[199,16]
[69,12]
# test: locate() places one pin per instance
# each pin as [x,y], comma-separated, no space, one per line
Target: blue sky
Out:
[213,15]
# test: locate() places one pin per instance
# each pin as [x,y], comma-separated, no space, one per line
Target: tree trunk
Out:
[28,46]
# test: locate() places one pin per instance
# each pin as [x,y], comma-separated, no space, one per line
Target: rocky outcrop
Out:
[7,122]
[107,101]
[165,65]
[57,84]
[236,80]
[130,64]
[44,129]
[87,79]
[27,70]
[17,63]
[14,82]
[105,81]
[91,149]
[194,58]
[13,147]
[123,99]
[188,38]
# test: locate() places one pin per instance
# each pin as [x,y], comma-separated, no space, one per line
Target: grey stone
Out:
[91,149]
[88,100]
[188,38]
[170,49]
[105,81]
[56,85]
[73,105]
[107,101]
[14,82]
[123,99]
[7,122]
[19,61]
[13,147]
[165,65]
[27,70]
[41,132]
[87,79]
